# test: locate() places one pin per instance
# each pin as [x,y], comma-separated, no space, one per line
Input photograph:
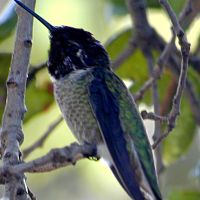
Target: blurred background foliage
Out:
[109,21]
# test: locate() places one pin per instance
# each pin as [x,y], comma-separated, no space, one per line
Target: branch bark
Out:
[56,158]
[11,132]
[185,49]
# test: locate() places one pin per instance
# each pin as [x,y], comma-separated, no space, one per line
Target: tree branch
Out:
[55,159]
[185,49]
[170,57]
[11,133]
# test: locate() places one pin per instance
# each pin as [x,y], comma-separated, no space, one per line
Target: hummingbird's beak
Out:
[43,21]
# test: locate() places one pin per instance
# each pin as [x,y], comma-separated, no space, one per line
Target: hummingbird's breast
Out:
[72,96]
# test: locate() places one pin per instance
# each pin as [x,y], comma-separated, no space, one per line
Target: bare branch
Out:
[171,59]
[11,133]
[41,140]
[55,159]
[185,49]
[167,57]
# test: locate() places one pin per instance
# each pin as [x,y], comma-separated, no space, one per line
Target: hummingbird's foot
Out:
[93,155]
[94,158]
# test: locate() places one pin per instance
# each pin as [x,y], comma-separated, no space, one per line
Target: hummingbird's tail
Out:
[126,164]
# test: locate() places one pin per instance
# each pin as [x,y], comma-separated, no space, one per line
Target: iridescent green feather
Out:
[133,128]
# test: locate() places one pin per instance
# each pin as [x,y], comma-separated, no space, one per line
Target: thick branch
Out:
[11,133]
[137,10]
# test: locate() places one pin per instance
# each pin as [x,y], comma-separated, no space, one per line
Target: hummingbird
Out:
[99,109]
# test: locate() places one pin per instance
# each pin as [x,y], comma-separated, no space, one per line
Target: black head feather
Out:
[72,49]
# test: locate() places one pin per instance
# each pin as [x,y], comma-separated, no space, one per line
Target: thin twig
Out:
[41,140]
[185,49]
[153,116]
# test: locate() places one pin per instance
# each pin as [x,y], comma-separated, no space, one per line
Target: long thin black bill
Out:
[43,21]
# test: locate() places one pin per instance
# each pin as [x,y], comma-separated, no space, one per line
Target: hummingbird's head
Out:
[71,48]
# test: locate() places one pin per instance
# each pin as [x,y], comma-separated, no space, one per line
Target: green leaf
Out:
[8,21]
[185,195]
[179,140]
[134,68]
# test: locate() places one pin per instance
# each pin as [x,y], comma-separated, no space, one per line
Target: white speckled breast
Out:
[72,97]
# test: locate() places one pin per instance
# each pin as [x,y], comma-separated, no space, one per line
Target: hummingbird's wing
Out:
[124,134]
